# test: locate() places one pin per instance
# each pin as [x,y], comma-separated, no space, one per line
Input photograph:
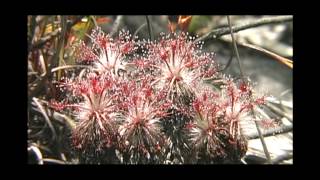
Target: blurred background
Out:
[265,49]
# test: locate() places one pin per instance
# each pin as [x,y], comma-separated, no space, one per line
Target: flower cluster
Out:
[215,131]
[149,102]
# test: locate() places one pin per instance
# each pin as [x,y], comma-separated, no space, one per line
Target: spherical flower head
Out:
[209,131]
[140,130]
[93,108]
[239,101]
[216,131]
[179,63]
[107,54]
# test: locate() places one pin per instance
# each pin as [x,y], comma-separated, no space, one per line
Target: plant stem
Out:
[223,31]
[149,28]
[235,47]
[116,25]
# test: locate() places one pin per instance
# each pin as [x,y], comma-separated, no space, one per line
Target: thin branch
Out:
[37,153]
[53,34]
[44,40]
[223,31]
[272,132]
[68,67]
[93,19]
[243,161]
[254,159]
[58,56]
[40,19]
[265,149]
[54,134]
[149,28]
[61,118]
[37,88]
[235,47]
[53,161]
[278,111]
[283,60]
[228,63]
[66,118]
[69,121]
[136,32]
[116,25]
[283,157]
[32,28]
[280,102]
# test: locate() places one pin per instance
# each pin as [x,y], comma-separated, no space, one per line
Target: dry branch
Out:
[150,28]
[44,40]
[116,25]
[223,31]
[272,132]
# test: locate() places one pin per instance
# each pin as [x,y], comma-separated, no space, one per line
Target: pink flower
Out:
[140,128]
[239,100]
[94,108]
[107,54]
[210,131]
[216,131]
[178,64]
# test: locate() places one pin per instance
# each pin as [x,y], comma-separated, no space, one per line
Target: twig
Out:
[32,28]
[43,64]
[149,28]
[37,153]
[228,63]
[58,116]
[40,19]
[281,97]
[254,159]
[235,47]
[67,119]
[241,76]
[53,34]
[223,31]
[93,19]
[53,161]
[285,92]
[281,158]
[279,102]
[243,161]
[272,132]
[44,40]
[37,88]
[116,25]
[68,67]
[54,134]
[58,56]
[278,111]
[275,56]
[136,32]
[265,149]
